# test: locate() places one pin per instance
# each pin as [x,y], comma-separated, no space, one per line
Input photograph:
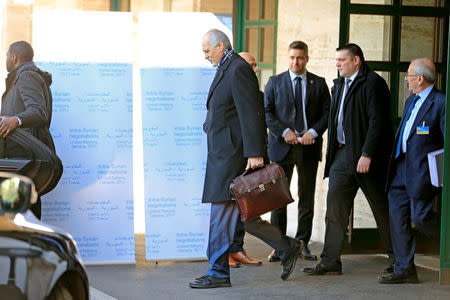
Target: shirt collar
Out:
[424,94]
[292,75]
[352,78]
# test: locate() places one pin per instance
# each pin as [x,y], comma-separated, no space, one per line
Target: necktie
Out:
[298,98]
[402,128]
[340,129]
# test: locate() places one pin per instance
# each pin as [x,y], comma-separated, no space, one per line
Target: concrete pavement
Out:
[168,280]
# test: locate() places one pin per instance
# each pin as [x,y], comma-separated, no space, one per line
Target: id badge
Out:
[423,130]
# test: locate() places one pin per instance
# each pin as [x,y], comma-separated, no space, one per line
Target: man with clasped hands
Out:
[297,106]
[236,141]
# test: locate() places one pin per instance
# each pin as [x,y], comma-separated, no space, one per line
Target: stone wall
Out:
[213,6]
[317,24]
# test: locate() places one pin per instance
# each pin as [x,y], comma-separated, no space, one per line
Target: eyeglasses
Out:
[407,75]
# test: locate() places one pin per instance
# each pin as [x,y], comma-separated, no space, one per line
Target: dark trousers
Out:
[238,240]
[307,173]
[223,219]
[342,188]
[403,210]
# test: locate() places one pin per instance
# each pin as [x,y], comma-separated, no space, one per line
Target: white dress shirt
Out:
[344,93]
[304,83]
[409,123]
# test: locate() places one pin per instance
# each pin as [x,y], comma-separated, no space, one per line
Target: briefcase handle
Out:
[249,171]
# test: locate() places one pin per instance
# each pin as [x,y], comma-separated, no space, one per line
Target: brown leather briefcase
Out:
[259,191]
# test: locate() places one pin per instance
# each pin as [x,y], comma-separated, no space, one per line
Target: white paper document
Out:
[436,166]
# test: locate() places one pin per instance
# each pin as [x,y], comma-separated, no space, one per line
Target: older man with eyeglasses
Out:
[410,191]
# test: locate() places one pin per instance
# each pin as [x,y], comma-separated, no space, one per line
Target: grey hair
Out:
[216,36]
[422,68]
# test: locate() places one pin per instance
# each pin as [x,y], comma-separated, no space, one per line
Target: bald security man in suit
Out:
[238,255]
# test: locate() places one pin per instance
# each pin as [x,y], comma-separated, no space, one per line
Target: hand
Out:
[7,125]
[363,165]
[308,138]
[290,137]
[254,162]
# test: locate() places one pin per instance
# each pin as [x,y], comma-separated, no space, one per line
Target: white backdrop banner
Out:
[99,68]
[92,129]
[89,55]
[177,222]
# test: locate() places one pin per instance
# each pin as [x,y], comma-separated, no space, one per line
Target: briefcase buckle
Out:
[262,188]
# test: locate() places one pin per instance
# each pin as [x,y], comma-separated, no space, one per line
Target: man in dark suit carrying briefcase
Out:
[236,141]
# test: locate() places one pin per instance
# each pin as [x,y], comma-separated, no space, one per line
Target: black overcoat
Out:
[366,123]
[234,126]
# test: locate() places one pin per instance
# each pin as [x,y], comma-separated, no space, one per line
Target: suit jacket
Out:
[234,126]
[280,112]
[366,123]
[432,112]
[28,97]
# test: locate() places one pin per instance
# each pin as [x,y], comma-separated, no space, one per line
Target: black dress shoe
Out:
[289,262]
[306,254]
[207,282]
[321,269]
[274,256]
[397,278]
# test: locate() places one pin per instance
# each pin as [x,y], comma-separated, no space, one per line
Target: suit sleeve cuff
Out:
[314,133]
[285,131]
[18,119]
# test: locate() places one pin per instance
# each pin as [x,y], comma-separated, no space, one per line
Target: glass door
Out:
[391,33]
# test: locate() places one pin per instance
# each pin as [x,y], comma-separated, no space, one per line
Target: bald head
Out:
[18,53]
[420,75]
[250,59]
